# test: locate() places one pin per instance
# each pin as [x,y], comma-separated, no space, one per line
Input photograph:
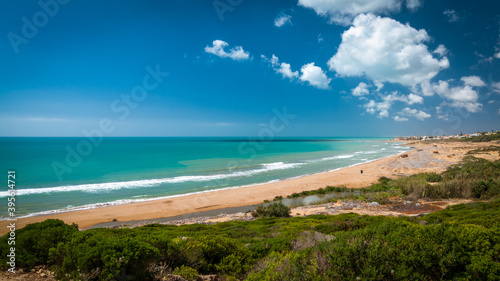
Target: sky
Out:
[249,68]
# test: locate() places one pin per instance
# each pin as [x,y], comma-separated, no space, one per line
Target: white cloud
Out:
[282,19]
[360,90]
[418,114]
[282,68]
[412,98]
[320,38]
[343,11]
[462,96]
[496,87]
[315,76]
[400,119]
[441,50]
[473,81]
[312,74]
[383,107]
[286,71]
[236,53]
[413,5]
[452,15]
[384,50]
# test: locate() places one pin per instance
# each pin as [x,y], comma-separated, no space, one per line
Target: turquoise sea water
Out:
[60,174]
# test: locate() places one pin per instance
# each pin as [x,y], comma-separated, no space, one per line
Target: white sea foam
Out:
[338,157]
[109,186]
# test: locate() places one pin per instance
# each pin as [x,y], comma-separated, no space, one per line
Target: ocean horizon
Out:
[58,174]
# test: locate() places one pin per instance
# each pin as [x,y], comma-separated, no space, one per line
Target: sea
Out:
[64,174]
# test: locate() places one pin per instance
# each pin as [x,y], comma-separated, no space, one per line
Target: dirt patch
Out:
[36,274]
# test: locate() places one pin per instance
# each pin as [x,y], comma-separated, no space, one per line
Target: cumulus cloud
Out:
[495,86]
[382,107]
[315,76]
[360,90]
[281,68]
[385,50]
[413,5]
[236,53]
[452,15]
[473,81]
[400,119]
[461,96]
[344,11]
[412,98]
[418,114]
[311,73]
[282,19]
[441,50]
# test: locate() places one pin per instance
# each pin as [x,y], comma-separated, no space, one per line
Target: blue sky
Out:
[341,68]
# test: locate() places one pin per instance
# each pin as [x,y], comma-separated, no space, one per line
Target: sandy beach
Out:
[424,157]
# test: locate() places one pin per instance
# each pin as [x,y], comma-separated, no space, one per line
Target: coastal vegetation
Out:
[272,210]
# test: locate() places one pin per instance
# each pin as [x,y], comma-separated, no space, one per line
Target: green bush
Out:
[486,189]
[288,266]
[186,272]
[272,210]
[433,177]
[34,242]
[96,257]
[414,186]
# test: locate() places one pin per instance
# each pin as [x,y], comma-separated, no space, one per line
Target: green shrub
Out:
[272,210]
[186,272]
[414,186]
[433,177]
[95,257]
[486,189]
[34,242]
[288,266]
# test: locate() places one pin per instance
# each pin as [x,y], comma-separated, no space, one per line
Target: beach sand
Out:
[425,157]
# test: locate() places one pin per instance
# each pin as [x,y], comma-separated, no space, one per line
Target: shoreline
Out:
[422,158]
[133,201]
